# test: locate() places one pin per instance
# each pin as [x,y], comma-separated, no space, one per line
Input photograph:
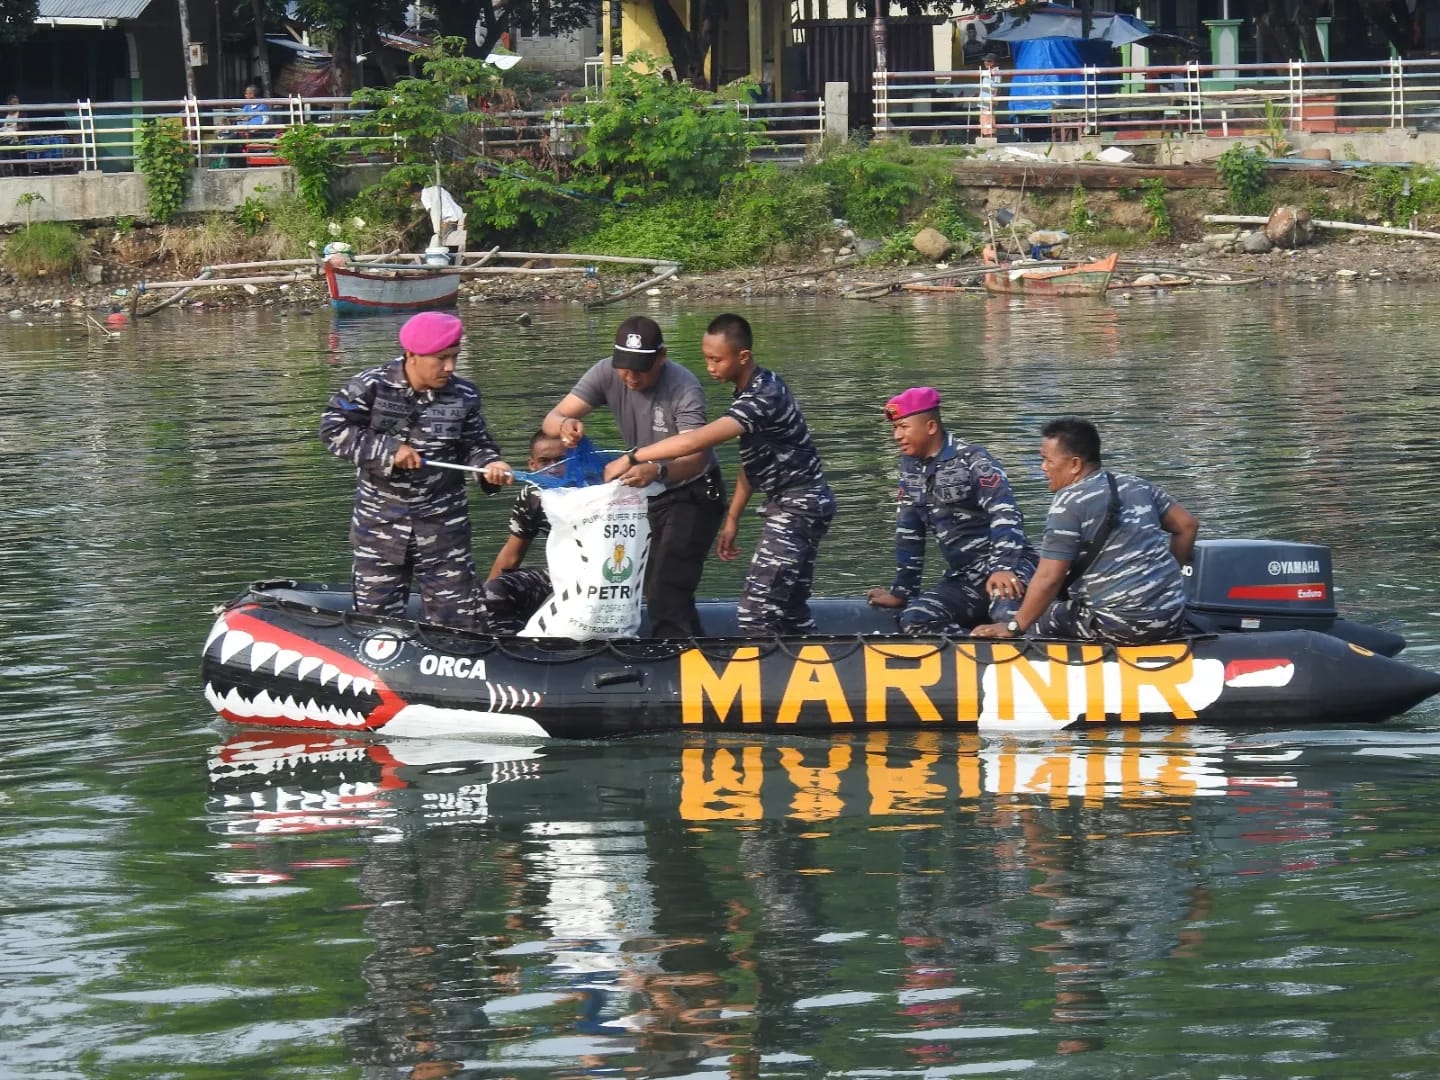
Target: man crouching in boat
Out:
[1114,542]
[409,518]
[958,491]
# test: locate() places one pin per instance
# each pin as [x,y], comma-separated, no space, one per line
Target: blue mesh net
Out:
[581,467]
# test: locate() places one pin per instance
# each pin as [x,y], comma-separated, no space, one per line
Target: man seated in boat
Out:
[960,493]
[410,519]
[651,399]
[513,592]
[1110,562]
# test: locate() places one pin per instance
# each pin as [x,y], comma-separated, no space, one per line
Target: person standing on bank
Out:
[409,518]
[778,458]
[1114,541]
[652,399]
[959,492]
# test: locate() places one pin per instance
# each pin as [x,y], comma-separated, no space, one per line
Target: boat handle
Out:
[618,678]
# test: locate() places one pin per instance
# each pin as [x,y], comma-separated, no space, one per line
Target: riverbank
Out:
[1335,258]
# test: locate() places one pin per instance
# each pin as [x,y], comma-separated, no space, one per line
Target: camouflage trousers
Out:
[431,545]
[775,598]
[956,604]
[1065,619]
[508,601]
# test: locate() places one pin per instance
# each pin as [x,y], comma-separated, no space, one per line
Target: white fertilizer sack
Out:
[599,543]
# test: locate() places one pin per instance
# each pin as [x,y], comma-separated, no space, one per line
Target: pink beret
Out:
[431,332]
[916,399]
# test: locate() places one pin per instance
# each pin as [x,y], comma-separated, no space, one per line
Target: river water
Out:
[183,898]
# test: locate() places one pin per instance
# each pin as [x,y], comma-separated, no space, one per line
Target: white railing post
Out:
[1295,76]
[190,117]
[1090,101]
[89,152]
[1397,92]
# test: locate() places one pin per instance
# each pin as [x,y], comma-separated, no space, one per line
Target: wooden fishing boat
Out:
[380,288]
[1083,279]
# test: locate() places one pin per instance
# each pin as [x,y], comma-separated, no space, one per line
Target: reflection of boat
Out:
[290,655]
[1081,279]
[380,288]
[280,782]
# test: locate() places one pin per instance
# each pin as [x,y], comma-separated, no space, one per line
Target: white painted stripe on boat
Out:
[414,721]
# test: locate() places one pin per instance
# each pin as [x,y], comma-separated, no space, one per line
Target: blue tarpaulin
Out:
[1044,92]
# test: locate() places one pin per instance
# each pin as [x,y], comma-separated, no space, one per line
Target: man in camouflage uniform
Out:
[410,518]
[777,457]
[1126,538]
[957,491]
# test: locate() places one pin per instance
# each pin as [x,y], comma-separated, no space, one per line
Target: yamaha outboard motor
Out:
[1248,585]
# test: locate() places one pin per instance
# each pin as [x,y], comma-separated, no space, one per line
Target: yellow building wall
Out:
[639,32]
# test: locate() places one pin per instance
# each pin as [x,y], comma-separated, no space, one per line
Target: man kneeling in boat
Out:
[958,491]
[1114,542]
[513,592]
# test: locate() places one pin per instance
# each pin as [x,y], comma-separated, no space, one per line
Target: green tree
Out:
[17,19]
[350,28]
[459,18]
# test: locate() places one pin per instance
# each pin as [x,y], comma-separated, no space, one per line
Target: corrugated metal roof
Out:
[90,9]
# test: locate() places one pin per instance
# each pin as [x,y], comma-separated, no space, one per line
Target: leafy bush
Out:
[423,112]
[520,199]
[869,188]
[752,218]
[1398,195]
[1153,200]
[164,159]
[647,135]
[1242,170]
[43,249]
[316,161]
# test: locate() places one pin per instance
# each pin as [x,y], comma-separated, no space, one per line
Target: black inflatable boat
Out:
[1268,649]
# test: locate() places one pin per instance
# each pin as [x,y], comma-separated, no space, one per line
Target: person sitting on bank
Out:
[652,397]
[960,493]
[254,113]
[777,457]
[1115,542]
[513,592]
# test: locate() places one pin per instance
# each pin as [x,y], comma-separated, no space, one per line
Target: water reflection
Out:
[664,906]
[1191,906]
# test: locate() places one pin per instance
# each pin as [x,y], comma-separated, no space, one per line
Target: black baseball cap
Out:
[638,344]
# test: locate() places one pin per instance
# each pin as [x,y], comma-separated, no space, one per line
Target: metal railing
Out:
[1152,103]
[236,132]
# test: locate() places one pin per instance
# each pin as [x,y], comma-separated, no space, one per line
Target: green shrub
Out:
[646,135]
[1153,200]
[1398,195]
[749,221]
[1242,170]
[163,157]
[44,249]
[316,161]
[868,189]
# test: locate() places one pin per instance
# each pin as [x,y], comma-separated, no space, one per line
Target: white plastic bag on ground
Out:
[598,546]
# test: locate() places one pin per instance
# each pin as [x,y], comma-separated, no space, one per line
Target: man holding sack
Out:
[653,399]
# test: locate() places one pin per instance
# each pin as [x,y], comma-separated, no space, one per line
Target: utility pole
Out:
[262,49]
[184,7]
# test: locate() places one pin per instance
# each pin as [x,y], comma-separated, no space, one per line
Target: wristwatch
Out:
[1013,626]
[660,470]
[630,454]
